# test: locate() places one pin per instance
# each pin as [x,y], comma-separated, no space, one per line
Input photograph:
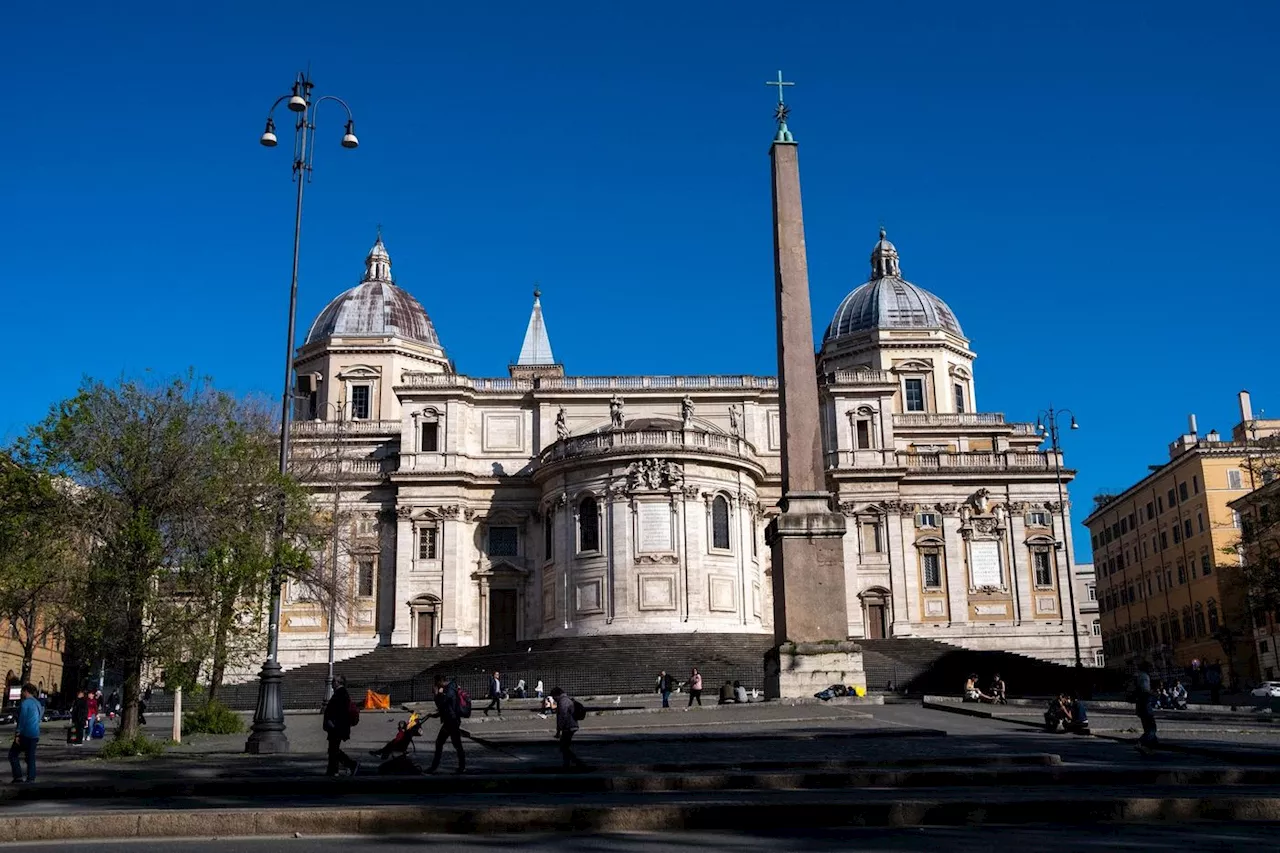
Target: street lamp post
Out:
[267,734]
[1049,420]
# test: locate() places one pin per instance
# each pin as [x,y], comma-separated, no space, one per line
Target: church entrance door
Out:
[426,629]
[875,622]
[502,617]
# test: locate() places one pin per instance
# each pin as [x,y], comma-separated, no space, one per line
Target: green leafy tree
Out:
[158,467]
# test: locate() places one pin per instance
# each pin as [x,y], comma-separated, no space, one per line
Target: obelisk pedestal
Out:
[810,618]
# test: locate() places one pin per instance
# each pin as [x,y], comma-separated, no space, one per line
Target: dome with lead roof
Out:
[375,308]
[889,301]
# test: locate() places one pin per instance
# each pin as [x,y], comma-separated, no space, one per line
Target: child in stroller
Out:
[406,731]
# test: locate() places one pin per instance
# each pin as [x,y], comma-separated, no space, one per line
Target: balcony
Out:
[945,419]
[861,377]
[588,383]
[621,440]
[1008,460]
[328,470]
[309,429]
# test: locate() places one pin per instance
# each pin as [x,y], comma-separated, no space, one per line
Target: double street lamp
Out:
[1047,421]
[267,734]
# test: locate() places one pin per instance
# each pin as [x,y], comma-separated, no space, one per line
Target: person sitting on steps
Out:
[971,691]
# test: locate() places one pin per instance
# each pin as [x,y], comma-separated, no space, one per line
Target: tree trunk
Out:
[28,642]
[226,618]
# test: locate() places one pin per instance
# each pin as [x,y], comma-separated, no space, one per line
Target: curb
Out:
[655,817]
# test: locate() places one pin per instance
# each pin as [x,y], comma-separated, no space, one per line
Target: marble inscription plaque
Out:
[991,609]
[984,563]
[502,432]
[654,521]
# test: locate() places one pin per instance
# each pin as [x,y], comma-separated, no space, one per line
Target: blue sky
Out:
[1091,187]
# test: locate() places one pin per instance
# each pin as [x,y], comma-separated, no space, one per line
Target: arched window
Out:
[720,523]
[588,525]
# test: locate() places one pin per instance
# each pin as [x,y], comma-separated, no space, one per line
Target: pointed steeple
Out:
[377,264]
[535,358]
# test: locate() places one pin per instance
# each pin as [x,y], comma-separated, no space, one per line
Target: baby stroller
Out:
[395,754]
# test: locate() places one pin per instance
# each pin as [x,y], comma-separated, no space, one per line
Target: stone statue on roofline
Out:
[615,412]
[562,425]
[686,410]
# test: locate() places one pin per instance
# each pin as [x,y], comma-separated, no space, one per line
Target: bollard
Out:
[177,715]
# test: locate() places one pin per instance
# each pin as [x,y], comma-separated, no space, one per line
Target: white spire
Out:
[377,264]
[537,346]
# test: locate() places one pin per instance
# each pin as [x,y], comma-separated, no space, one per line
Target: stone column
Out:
[806,539]
[401,591]
[452,555]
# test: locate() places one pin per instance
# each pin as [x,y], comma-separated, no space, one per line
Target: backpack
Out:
[353,714]
[579,711]
[463,702]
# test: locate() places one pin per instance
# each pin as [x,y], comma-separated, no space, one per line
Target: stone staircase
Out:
[597,666]
[911,666]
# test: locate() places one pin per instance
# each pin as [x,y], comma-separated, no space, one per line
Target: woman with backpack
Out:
[338,720]
[450,709]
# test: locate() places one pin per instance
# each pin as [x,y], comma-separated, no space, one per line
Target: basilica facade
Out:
[480,511]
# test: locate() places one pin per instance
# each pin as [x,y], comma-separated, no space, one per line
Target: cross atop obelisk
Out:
[781,112]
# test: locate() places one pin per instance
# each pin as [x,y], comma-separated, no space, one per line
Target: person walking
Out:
[27,735]
[337,725]
[495,694]
[566,728]
[695,687]
[450,714]
[1142,707]
[79,718]
[665,685]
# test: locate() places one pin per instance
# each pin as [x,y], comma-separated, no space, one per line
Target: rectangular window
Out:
[1038,519]
[1124,526]
[427,543]
[1177,534]
[1097,628]
[430,437]
[1234,480]
[927,519]
[1182,491]
[1093,592]
[549,534]
[1173,498]
[503,541]
[1144,549]
[863,434]
[365,579]
[1159,505]
[914,395]
[1133,521]
[1206,565]
[871,543]
[1043,567]
[1182,573]
[1151,510]
[1187,531]
[1164,539]
[1099,659]
[959,398]
[931,562]
[1195,484]
[1200,521]
[360,402]
[1093,540]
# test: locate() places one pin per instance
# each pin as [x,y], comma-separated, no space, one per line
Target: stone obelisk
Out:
[810,619]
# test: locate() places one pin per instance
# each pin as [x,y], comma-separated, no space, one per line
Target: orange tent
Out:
[377,701]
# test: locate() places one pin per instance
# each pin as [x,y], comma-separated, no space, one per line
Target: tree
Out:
[160,468]
[40,557]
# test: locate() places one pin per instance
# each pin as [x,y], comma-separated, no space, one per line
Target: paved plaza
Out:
[766,766]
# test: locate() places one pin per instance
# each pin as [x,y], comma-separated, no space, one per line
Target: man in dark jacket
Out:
[337,725]
[666,684]
[566,728]
[495,694]
[79,718]
[446,698]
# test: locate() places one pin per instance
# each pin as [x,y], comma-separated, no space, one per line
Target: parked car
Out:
[1265,690]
